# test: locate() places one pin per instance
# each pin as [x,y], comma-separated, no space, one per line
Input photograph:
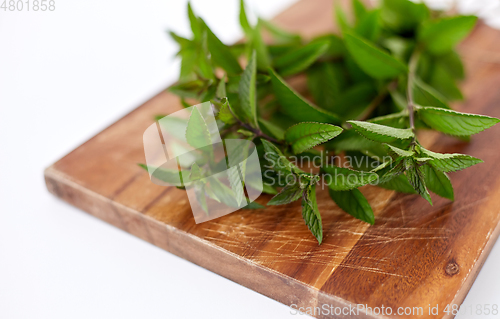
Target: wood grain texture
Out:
[413,256]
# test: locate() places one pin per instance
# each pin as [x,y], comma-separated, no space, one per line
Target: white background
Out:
[64,76]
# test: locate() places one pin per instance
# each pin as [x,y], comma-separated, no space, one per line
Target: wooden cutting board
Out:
[414,255]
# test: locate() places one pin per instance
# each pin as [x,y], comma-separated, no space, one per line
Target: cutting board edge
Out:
[469,280]
[205,254]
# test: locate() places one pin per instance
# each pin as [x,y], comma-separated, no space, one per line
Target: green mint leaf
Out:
[196,173]
[237,155]
[245,25]
[337,47]
[442,80]
[354,72]
[208,94]
[175,126]
[311,214]
[181,41]
[238,167]
[452,62]
[196,26]
[354,203]
[422,160]
[276,50]
[235,181]
[403,15]
[278,161]
[423,94]
[254,205]
[391,171]
[360,161]
[299,59]
[288,194]
[188,64]
[310,156]
[381,133]
[197,134]
[170,176]
[398,152]
[382,166]
[359,9]
[189,89]
[368,26]
[306,135]
[221,88]
[438,182]
[324,81]
[398,183]
[296,106]
[375,62]
[279,35]
[248,96]
[355,99]
[203,60]
[223,193]
[254,39]
[258,44]
[396,120]
[453,122]
[246,133]
[199,191]
[350,140]
[233,84]
[210,193]
[442,35]
[268,189]
[341,18]
[343,179]
[225,114]
[416,178]
[450,162]
[220,53]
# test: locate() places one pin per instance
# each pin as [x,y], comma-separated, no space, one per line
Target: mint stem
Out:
[411,79]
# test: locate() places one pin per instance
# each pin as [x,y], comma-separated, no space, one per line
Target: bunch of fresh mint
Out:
[391,71]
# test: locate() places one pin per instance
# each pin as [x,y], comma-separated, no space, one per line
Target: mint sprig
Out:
[391,72]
